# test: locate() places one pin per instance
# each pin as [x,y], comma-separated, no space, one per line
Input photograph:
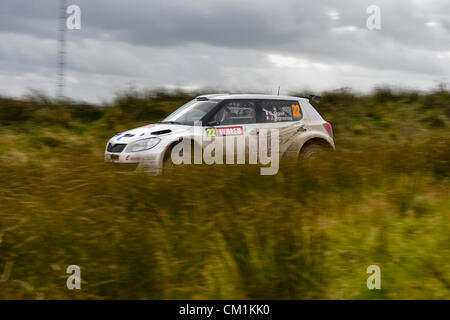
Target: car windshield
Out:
[190,112]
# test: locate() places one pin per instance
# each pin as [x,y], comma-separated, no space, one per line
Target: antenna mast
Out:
[60,75]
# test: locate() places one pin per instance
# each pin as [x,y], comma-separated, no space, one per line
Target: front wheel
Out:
[168,165]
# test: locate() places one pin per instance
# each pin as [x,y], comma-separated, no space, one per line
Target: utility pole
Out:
[60,76]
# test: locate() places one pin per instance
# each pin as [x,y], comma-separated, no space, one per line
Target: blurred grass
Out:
[226,232]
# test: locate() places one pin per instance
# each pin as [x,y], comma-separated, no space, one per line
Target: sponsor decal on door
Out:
[230,131]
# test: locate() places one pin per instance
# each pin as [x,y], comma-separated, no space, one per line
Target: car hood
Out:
[148,131]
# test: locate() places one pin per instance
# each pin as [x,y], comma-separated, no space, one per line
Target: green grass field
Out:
[220,232]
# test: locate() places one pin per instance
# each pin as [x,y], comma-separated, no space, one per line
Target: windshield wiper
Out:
[170,122]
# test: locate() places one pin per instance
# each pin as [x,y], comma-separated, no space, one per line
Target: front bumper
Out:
[142,161]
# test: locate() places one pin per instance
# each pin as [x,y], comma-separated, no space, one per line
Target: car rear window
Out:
[279,110]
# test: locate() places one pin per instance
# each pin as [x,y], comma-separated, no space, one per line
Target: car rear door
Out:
[284,115]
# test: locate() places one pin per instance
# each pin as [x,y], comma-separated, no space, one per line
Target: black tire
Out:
[168,166]
[312,152]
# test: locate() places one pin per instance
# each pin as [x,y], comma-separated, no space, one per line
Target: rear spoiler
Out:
[312,97]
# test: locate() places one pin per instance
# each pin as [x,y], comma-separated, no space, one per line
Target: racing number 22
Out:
[296,110]
[211,132]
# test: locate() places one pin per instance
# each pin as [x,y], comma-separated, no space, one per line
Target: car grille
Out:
[118,147]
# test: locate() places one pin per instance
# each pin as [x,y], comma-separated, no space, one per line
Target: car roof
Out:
[223,96]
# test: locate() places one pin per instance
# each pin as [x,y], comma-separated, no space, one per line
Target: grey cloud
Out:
[197,42]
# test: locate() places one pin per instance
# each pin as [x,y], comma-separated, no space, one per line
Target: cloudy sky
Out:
[236,45]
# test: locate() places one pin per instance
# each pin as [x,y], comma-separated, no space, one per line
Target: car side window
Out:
[278,110]
[236,112]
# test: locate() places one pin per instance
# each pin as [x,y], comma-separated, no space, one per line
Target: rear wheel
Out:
[312,152]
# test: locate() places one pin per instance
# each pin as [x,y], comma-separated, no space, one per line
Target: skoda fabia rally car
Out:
[303,133]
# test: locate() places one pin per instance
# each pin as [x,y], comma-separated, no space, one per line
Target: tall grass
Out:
[227,232]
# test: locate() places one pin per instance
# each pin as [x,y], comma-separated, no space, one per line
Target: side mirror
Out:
[213,123]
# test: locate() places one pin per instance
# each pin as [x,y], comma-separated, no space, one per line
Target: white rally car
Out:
[302,131]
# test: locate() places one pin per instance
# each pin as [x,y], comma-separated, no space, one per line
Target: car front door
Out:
[234,122]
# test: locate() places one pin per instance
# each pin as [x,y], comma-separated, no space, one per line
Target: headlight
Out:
[143,144]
